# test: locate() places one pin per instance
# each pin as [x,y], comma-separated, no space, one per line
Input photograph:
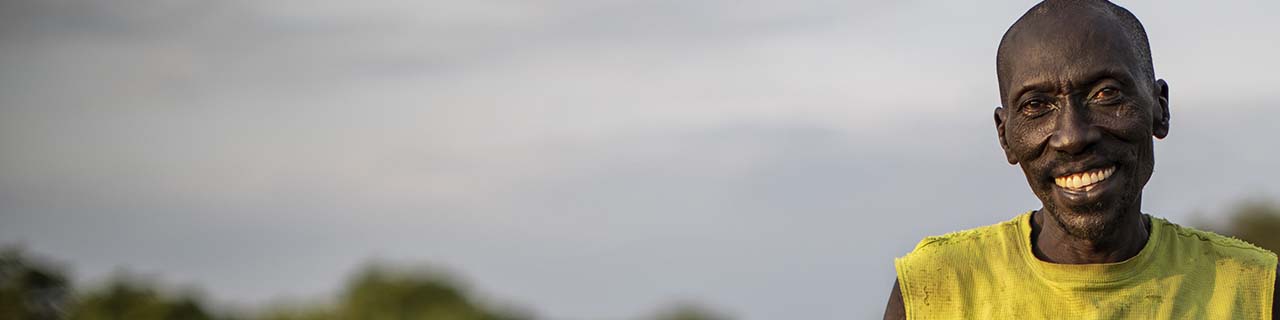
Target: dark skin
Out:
[1075,97]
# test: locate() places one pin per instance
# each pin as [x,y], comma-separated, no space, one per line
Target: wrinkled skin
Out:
[1075,97]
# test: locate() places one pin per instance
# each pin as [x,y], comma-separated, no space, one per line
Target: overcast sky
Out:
[585,159]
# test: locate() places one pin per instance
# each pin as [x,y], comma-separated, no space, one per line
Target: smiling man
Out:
[1080,109]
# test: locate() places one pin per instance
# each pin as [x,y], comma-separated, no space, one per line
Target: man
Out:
[1080,106]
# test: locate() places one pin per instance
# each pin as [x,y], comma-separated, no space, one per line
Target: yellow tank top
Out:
[1181,273]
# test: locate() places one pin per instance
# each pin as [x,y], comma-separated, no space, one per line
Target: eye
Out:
[1106,95]
[1035,107]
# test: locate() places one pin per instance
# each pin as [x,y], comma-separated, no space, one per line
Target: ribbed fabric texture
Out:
[1181,273]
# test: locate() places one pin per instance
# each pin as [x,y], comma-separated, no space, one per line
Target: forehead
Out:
[1066,50]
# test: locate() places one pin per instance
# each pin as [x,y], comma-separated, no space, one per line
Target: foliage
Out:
[30,289]
[1257,222]
[127,298]
[379,293]
[33,289]
[686,311]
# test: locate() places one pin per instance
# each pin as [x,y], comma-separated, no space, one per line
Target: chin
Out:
[1086,224]
[1094,220]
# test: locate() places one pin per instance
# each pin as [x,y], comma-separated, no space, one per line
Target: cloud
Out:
[553,150]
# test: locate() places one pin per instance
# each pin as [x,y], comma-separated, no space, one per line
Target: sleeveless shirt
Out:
[991,273]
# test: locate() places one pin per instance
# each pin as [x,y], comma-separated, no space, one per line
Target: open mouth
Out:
[1084,181]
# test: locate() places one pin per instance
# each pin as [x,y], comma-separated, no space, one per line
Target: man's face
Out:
[1079,116]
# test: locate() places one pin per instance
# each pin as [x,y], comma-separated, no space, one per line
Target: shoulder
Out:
[938,262]
[962,249]
[1255,268]
[1219,245]
[967,239]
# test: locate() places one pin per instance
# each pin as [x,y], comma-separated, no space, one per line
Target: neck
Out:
[1122,240]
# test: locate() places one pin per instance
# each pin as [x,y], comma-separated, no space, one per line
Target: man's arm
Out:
[895,310]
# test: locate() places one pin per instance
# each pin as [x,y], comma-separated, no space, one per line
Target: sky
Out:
[582,159]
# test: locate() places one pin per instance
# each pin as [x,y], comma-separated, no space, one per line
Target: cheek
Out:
[1130,123]
[1131,126]
[1026,139]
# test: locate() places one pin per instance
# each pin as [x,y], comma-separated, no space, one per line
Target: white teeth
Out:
[1084,180]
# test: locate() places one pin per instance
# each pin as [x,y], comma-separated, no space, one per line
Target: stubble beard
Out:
[1097,222]
[1093,222]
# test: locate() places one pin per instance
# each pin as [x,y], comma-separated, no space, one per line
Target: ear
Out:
[1160,121]
[1000,117]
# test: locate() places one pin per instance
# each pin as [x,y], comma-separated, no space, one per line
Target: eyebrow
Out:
[1121,75]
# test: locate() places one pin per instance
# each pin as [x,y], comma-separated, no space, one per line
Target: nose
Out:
[1073,132]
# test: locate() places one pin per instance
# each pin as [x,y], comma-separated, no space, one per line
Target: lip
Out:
[1070,168]
[1093,195]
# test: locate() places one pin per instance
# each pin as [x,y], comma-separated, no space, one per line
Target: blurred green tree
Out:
[688,311]
[383,293]
[298,313]
[33,290]
[30,289]
[1257,222]
[378,293]
[130,298]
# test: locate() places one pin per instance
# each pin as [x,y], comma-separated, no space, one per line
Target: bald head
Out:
[1070,26]
[1077,94]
